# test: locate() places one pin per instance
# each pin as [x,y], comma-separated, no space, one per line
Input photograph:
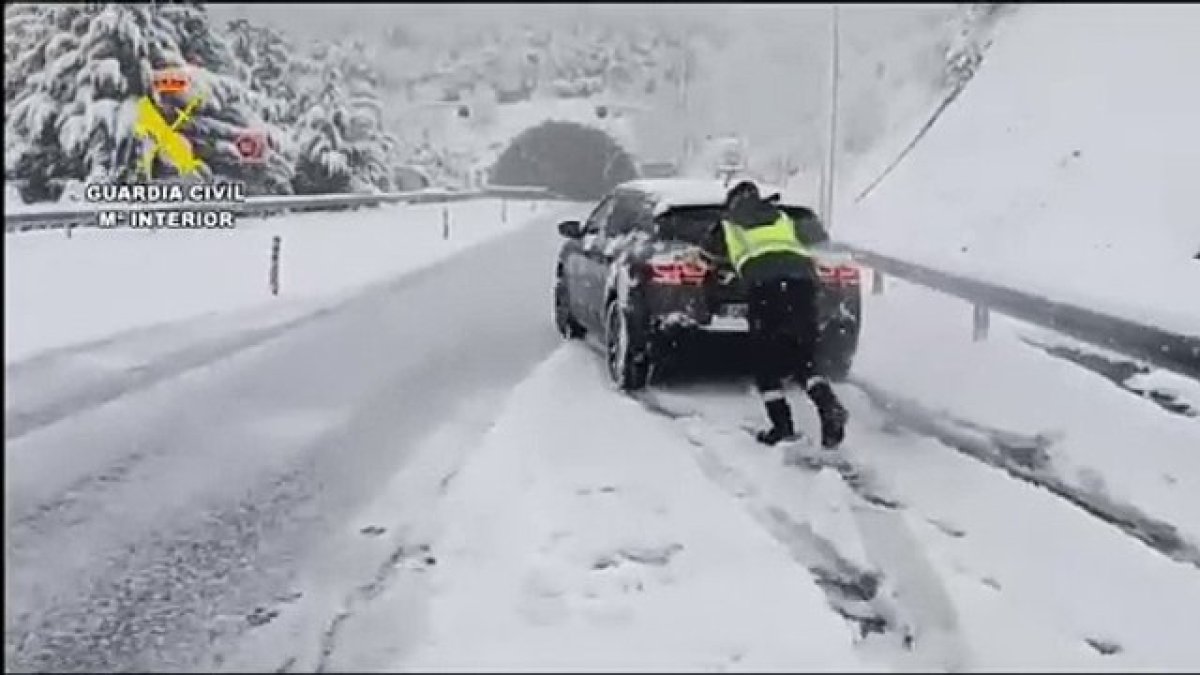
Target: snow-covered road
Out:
[424,478]
[143,531]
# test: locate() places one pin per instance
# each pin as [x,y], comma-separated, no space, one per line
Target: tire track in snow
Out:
[28,409]
[24,417]
[409,507]
[1025,458]
[901,600]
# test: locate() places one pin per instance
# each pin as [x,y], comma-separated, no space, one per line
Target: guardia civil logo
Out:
[165,138]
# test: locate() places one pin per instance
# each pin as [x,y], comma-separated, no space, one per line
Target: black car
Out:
[628,274]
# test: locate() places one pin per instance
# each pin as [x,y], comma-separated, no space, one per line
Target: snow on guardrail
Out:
[58,216]
[1177,352]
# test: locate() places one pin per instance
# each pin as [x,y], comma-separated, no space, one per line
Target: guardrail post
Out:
[877,282]
[70,230]
[982,322]
[276,242]
[504,210]
[445,222]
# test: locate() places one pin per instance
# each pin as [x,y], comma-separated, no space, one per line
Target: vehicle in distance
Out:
[658,170]
[630,276]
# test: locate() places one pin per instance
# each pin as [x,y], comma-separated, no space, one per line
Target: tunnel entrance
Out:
[576,161]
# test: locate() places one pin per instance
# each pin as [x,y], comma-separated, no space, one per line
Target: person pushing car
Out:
[779,274]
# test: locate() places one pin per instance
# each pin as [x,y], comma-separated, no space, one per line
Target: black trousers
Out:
[782,314]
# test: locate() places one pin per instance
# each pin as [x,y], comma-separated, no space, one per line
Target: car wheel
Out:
[567,326]
[625,350]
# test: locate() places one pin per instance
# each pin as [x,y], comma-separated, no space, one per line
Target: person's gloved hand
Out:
[696,256]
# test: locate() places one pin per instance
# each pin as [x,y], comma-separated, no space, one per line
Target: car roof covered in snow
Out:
[670,193]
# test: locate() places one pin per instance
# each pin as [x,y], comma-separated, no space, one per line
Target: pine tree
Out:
[77,84]
[230,108]
[81,79]
[340,141]
[269,69]
[25,24]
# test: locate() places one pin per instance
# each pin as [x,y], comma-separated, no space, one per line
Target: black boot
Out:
[833,414]
[781,423]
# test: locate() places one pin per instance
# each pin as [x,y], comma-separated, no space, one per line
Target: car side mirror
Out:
[571,229]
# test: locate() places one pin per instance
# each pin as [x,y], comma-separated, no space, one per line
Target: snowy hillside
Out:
[1068,166]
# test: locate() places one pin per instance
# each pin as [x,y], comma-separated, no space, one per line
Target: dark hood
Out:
[752,213]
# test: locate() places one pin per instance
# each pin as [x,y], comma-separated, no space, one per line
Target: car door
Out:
[586,299]
[619,220]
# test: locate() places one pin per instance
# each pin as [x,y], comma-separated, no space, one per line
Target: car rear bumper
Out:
[698,308]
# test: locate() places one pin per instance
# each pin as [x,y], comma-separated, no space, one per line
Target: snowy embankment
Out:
[1066,167]
[1100,441]
[60,292]
[1096,435]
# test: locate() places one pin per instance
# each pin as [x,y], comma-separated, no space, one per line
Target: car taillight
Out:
[678,273]
[839,275]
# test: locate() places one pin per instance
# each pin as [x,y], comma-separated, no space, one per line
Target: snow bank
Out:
[1104,438]
[1022,579]
[61,291]
[1066,167]
[583,536]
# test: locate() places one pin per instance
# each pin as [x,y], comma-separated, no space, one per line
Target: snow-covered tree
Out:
[231,107]
[269,68]
[25,24]
[77,87]
[78,83]
[340,141]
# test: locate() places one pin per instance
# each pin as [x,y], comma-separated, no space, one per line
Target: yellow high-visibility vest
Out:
[746,244]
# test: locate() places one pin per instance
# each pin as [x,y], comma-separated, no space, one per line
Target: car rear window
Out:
[692,224]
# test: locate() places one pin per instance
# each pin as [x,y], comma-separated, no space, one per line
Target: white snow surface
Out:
[1004,574]
[1101,436]
[60,292]
[1067,166]
[541,528]
[571,546]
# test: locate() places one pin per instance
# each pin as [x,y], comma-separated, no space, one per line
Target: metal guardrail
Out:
[60,216]
[1173,351]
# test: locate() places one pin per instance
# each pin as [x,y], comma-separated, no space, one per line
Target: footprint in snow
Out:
[603,490]
[1105,647]
[948,528]
[261,616]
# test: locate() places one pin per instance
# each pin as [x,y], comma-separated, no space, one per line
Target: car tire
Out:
[567,325]
[626,350]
